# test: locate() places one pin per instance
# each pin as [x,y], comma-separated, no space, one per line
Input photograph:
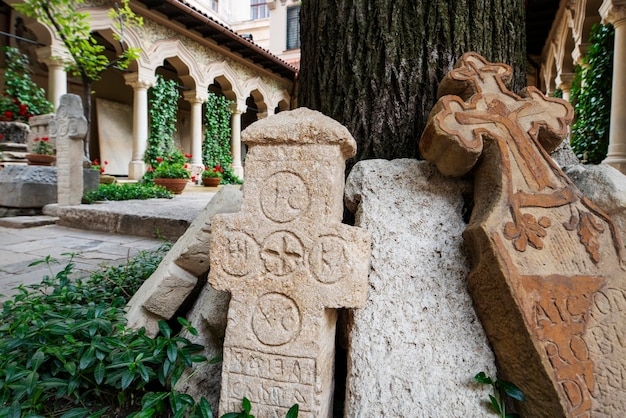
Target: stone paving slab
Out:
[20,247]
[27,221]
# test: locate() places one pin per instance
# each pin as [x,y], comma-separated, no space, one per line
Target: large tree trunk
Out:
[374,65]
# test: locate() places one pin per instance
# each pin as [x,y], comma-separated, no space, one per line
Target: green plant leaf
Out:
[247,406]
[483,378]
[165,330]
[99,372]
[510,389]
[204,409]
[495,405]
[293,411]
[75,413]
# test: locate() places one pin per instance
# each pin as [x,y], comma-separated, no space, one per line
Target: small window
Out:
[215,5]
[259,9]
[293,27]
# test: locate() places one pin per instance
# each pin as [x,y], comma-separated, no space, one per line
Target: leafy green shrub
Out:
[501,389]
[126,191]
[591,95]
[64,350]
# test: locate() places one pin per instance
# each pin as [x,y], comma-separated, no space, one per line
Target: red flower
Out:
[193,178]
[187,155]
[36,139]
[8,114]
[186,165]
[23,109]
[101,169]
[150,168]
[1,136]
[159,160]
[106,162]
[95,162]
[45,138]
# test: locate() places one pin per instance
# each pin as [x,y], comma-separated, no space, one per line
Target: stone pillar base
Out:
[136,170]
[618,163]
[238,171]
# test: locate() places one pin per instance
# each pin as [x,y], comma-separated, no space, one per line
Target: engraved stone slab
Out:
[288,262]
[68,128]
[548,277]
[416,346]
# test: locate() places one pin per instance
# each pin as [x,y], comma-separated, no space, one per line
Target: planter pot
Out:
[175,186]
[106,179]
[40,159]
[211,181]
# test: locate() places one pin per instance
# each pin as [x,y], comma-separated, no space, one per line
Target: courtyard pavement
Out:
[99,240]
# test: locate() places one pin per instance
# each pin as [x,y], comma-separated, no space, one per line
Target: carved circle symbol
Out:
[284,197]
[276,319]
[282,253]
[329,259]
[238,257]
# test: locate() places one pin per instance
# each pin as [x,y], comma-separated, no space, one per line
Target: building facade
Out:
[181,41]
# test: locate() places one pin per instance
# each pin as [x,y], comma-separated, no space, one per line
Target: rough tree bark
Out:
[374,65]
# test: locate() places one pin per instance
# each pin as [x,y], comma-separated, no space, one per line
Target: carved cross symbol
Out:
[523,129]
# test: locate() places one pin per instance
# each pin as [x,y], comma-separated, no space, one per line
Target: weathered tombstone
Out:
[415,347]
[548,277]
[288,262]
[68,128]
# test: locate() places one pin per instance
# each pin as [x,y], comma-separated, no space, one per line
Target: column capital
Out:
[195,96]
[136,81]
[238,109]
[564,81]
[613,11]
[52,55]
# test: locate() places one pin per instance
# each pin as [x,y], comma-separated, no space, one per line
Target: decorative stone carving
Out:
[548,277]
[288,263]
[68,128]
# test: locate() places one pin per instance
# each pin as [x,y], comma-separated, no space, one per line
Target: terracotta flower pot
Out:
[175,186]
[40,159]
[211,181]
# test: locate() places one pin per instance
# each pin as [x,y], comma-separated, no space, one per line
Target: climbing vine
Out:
[216,145]
[591,96]
[163,109]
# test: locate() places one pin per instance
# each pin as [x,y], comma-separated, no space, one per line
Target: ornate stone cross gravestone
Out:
[548,276]
[288,262]
[69,127]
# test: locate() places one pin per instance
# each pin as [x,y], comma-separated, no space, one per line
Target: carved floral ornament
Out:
[475,105]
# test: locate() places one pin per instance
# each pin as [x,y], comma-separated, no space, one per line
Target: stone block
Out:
[24,186]
[169,286]
[15,132]
[288,263]
[417,344]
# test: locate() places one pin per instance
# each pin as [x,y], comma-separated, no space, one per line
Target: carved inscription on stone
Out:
[287,259]
[543,254]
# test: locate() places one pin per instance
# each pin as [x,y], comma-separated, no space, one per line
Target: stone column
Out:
[235,143]
[57,77]
[140,85]
[196,98]
[564,83]
[614,11]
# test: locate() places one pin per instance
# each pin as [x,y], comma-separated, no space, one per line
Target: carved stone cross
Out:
[548,277]
[289,263]
[69,127]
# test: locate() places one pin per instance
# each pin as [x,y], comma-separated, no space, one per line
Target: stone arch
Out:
[179,56]
[257,89]
[227,78]
[549,70]
[280,101]
[564,45]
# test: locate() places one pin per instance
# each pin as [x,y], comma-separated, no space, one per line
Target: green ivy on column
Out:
[591,96]
[216,145]
[163,110]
